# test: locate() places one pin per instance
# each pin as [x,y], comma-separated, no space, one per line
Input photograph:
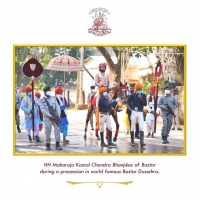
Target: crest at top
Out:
[99,27]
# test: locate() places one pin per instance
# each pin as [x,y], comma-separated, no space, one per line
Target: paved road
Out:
[77,143]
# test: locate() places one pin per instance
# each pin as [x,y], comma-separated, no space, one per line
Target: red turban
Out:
[59,90]
[102,65]
[122,88]
[37,94]
[153,88]
[28,89]
[102,90]
[138,86]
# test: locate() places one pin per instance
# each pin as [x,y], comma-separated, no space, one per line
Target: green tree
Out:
[44,55]
[120,53]
[21,54]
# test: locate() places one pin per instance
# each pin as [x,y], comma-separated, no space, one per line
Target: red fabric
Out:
[28,89]
[122,88]
[158,69]
[37,94]
[94,101]
[153,89]
[102,65]
[59,90]
[40,127]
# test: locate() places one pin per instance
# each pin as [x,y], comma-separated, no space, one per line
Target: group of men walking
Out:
[49,110]
[166,105]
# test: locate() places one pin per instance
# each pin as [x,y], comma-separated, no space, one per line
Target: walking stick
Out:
[33,107]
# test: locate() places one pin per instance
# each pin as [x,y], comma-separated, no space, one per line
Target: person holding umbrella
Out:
[26,106]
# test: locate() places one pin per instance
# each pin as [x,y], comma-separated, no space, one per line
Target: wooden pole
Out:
[33,106]
[64,84]
[156,104]
[77,90]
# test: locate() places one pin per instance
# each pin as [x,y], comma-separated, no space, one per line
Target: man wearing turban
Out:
[128,111]
[63,105]
[26,106]
[138,102]
[101,80]
[104,106]
[152,111]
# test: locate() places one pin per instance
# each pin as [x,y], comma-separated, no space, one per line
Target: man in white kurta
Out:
[152,111]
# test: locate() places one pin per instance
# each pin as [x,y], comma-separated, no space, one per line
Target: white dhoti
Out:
[150,121]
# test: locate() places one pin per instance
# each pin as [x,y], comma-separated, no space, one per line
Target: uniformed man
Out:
[104,106]
[138,102]
[165,101]
[128,110]
[50,119]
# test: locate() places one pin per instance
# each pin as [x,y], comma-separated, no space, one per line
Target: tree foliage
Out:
[123,52]
[44,55]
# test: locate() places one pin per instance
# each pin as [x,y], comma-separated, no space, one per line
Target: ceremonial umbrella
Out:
[64,63]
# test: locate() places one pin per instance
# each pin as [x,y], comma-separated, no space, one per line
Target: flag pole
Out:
[158,71]
[156,104]
[33,105]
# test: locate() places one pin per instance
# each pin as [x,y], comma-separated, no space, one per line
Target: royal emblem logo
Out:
[99,27]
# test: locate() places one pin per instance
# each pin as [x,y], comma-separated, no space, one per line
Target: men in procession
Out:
[104,106]
[89,100]
[62,102]
[26,106]
[17,107]
[175,120]
[151,111]
[138,102]
[51,114]
[167,104]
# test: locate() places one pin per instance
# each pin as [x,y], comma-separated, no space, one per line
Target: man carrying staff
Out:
[101,80]
[104,106]
[26,106]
